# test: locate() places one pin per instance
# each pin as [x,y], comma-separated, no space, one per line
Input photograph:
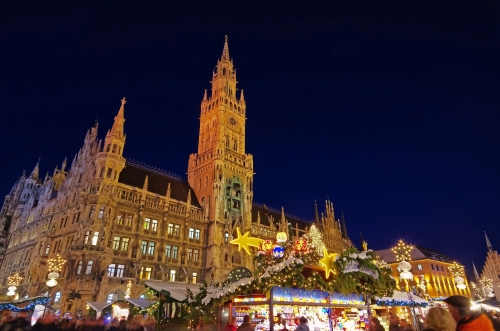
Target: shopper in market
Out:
[231,324]
[303,324]
[439,319]
[393,322]
[376,326]
[405,326]
[246,326]
[467,320]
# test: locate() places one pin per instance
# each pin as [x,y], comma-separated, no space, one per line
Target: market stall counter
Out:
[282,308]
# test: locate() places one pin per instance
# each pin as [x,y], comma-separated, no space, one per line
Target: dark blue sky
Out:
[391,109]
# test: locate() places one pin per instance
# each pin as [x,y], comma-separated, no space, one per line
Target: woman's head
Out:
[440,319]
[375,321]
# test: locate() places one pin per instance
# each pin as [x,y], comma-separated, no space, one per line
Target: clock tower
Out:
[221,174]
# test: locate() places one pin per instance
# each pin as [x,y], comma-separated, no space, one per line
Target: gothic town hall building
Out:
[117,221]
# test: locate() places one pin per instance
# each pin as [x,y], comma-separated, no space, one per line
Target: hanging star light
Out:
[456,270]
[327,262]
[243,241]
[56,264]
[15,280]
[402,251]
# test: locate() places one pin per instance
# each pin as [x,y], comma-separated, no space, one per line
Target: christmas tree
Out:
[316,239]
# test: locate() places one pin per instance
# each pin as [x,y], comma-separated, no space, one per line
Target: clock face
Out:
[232,121]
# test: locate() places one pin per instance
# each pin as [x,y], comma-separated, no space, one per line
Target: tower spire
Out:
[35,172]
[475,272]
[344,228]
[225,50]
[117,128]
[488,243]
[316,215]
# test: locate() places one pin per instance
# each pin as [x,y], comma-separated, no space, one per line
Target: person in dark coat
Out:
[376,326]
[246,326]
[393,322]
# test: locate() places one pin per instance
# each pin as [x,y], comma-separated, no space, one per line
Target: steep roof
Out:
[276,214]
[135,173]
[418,253]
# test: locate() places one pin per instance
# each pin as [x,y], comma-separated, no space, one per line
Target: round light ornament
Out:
[406,275]
[404,266]
[278,252]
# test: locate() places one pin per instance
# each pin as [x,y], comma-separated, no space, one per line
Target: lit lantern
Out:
[281,237]
[300,245]
[267,245]
[278,251]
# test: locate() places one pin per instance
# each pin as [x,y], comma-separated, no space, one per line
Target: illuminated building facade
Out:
[119,222]
[431,274]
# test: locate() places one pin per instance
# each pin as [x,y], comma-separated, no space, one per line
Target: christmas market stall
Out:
[301,278]
[172,297]
[98,307]
[404,304]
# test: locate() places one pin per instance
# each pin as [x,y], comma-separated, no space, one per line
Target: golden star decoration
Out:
[243,241]
[327,262]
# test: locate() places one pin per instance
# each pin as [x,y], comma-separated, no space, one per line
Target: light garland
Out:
[35,301]
[402,251]
[56,264]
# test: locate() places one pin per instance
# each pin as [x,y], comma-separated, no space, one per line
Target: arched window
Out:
[226,237]
[235,144]
[57,297]
[111,298]
[142,296]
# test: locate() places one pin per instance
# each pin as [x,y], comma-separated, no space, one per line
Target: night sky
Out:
[390,109]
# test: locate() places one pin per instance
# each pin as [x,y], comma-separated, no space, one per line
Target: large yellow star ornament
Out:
[243,241]
[327,262]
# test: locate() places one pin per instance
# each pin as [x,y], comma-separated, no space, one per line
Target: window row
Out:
[147,272]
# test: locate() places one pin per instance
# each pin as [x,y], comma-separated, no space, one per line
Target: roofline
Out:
[257,204]
[158,171]
[425,258]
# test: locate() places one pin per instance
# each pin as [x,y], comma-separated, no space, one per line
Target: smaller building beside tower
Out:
[491,268]
[432,277]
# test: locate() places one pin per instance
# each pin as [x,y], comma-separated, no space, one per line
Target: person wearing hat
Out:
[467,320]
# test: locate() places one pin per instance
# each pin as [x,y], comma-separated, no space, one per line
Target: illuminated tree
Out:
[316,239]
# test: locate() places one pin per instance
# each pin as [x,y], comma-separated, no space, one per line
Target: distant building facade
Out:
[431,274]
[117,221]
[491,268]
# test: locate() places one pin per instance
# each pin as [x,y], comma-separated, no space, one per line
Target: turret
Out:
[110,161]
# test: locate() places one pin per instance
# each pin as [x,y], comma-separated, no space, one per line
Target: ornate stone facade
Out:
[117,221]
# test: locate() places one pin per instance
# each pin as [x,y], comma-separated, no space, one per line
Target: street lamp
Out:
[55,266]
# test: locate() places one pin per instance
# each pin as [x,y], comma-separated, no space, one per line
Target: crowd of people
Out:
[50,322]
[458,317]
